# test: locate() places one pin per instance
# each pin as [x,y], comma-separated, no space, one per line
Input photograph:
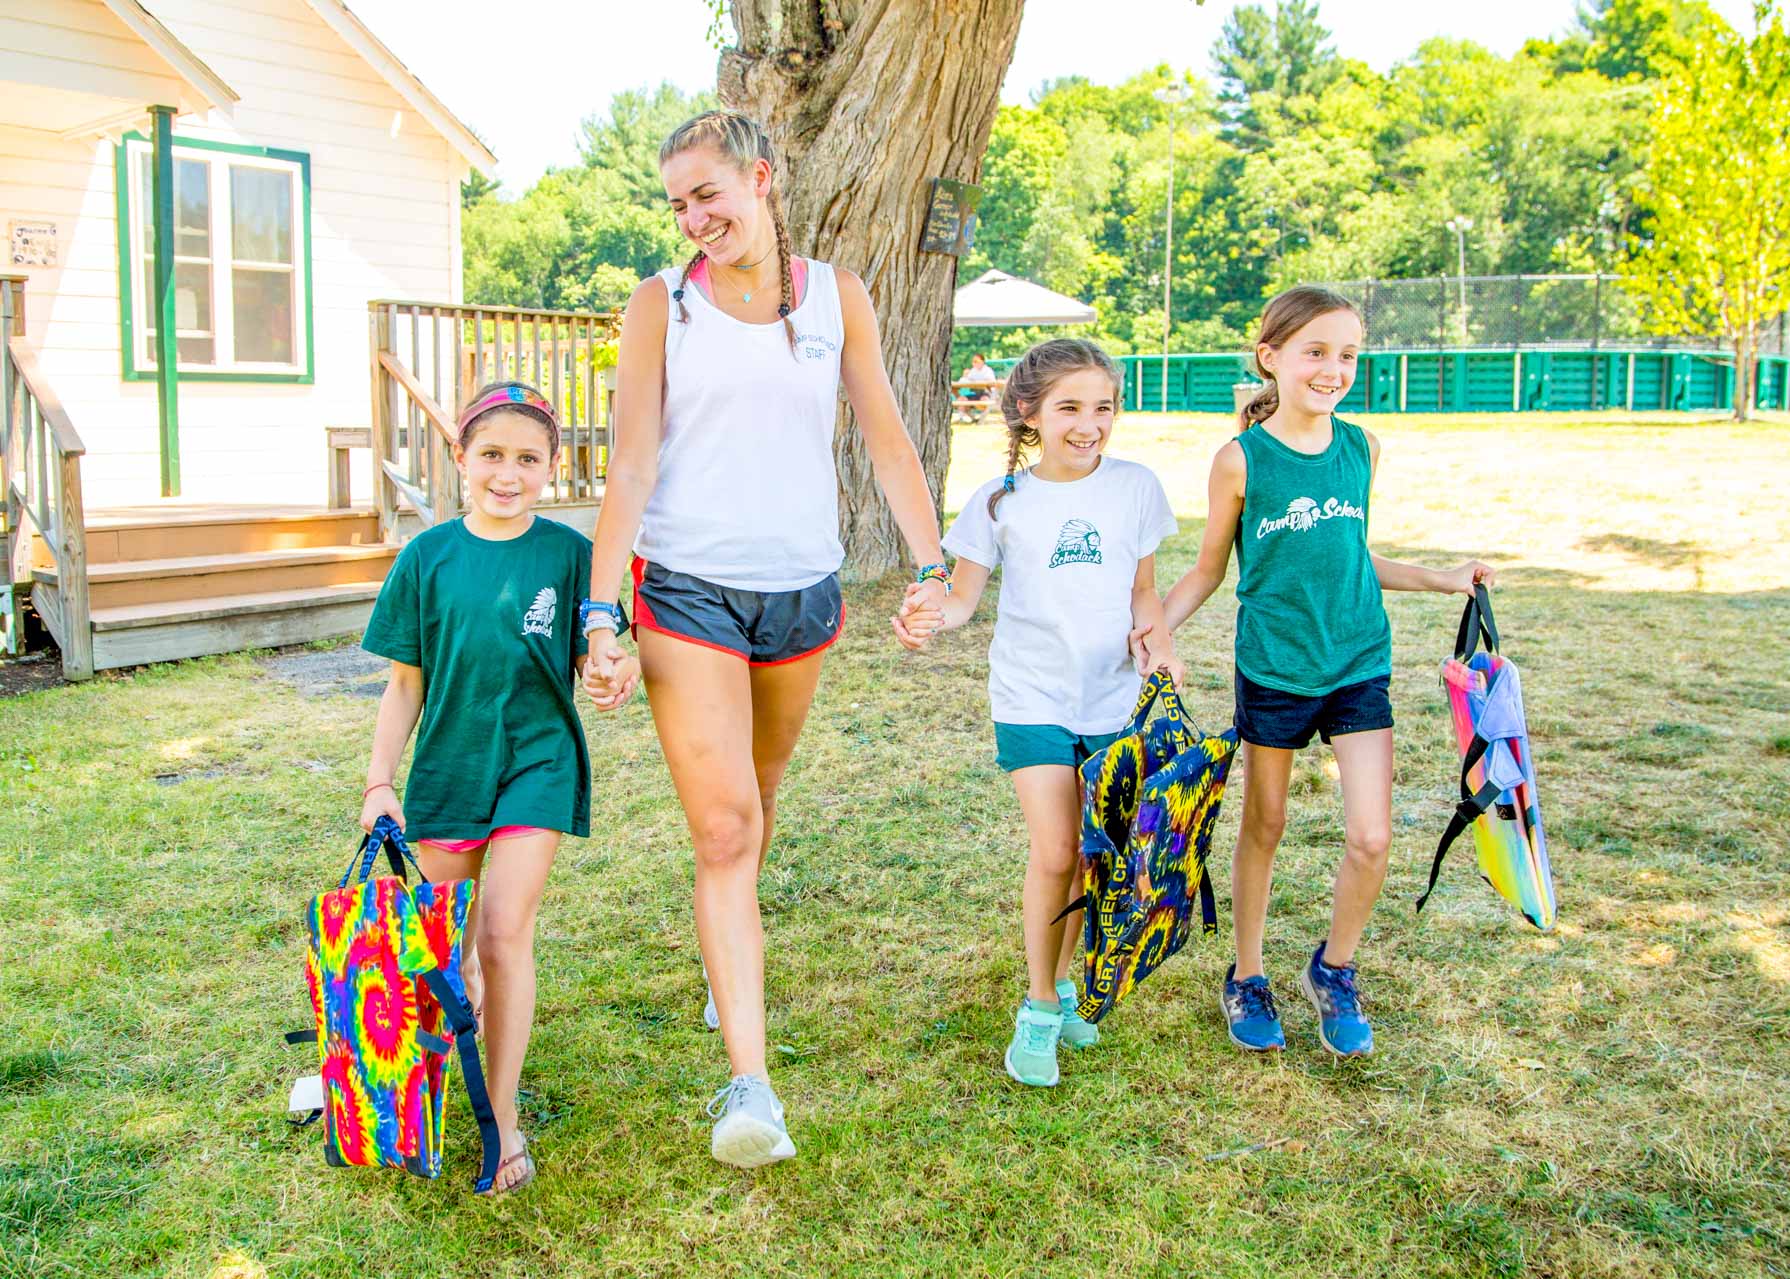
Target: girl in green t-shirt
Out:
[1314,649]
[479,617]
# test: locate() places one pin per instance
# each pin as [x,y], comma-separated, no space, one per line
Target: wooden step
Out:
[123,582]
[175,531]
[131,634]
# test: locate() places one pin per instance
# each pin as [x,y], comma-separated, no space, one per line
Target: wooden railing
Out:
[428,358]
[40,476]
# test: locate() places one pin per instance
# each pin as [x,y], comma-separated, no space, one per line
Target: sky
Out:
[525,82]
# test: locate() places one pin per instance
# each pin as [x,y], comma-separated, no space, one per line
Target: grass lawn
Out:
[1607,1100]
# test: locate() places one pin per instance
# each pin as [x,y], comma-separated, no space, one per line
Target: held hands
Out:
[610,673]
[1461,580]
[922,614]
[1150,653]
[380,801]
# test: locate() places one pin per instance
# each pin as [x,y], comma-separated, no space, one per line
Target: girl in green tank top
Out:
[1314,648]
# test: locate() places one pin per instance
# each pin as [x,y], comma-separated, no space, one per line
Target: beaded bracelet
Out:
[935,573]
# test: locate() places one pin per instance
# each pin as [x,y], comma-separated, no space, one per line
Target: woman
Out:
[721,480]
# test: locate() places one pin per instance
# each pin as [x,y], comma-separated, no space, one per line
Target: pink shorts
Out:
[469,845]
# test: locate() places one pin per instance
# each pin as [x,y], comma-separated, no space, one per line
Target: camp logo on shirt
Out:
[1077,543]
[815,346]
[1303,515]
[539,618]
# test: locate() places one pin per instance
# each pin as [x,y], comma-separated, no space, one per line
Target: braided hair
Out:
[741,142]
[1029,382]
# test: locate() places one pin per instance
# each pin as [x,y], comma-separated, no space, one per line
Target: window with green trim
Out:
[241,261]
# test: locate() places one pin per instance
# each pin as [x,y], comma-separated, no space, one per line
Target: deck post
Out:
[385,494]
[17,575]
[167,349]
[71,571]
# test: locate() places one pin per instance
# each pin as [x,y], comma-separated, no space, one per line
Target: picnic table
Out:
[973,408]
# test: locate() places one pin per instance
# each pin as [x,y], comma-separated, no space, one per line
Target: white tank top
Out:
[747,496]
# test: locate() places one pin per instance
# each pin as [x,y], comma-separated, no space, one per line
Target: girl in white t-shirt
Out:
[1075,536]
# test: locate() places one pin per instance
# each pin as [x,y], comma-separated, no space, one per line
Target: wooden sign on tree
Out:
[867,102]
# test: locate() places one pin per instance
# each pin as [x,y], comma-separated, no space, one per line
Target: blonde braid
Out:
[785,271]
[677,294]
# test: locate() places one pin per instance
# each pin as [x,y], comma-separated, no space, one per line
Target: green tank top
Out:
[1309,614]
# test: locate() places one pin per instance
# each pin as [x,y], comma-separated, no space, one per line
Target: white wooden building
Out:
[308,176]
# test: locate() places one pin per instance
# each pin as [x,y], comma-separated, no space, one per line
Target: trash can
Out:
[1242,393]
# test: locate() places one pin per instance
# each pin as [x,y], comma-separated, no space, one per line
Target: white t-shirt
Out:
[1068,555]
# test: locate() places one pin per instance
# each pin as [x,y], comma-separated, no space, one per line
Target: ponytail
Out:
[1286,314]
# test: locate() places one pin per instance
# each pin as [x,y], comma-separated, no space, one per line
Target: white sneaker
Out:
[749,1129]
[710,1017]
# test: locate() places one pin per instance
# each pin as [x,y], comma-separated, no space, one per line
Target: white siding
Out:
[384,223]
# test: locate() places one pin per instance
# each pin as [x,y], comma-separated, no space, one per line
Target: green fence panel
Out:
[1428,380]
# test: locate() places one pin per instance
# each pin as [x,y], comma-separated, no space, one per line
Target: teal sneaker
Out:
[1032,1056]
[1076,1032]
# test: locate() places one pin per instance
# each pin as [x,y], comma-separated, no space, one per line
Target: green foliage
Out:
[1298,164]
[582,237]
[1716,254]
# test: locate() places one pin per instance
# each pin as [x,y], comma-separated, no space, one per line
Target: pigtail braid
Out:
[1014,443]
[785,273]
[683,282]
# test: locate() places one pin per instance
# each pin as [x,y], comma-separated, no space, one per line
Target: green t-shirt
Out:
[494,627]
[1310,618]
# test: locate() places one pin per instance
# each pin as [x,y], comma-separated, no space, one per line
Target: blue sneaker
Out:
[1341,1024]
[1076,1032]
[1249,1009]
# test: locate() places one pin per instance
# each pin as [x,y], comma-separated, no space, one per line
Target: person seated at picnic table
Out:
[978,371]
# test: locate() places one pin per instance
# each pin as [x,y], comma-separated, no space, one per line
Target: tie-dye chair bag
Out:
[383,967]
[1149,803]
[1498,793]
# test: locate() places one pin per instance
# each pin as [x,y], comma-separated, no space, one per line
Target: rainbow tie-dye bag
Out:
[383,967]
[1499,800]
[1150,801]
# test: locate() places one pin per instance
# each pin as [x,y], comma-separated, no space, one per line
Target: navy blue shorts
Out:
[766,628]
[1285,721]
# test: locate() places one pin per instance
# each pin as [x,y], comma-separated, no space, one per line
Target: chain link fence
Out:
[1566,312]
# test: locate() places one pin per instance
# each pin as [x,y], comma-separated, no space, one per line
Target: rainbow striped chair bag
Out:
[383,968]
[1149,803]
[1498,794]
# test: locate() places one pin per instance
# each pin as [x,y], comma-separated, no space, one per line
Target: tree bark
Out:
[1745,358]
[867,100]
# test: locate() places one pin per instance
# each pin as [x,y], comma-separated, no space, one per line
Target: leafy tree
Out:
[1717,182]
[626,142]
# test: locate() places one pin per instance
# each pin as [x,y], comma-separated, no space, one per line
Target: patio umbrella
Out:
[999,298]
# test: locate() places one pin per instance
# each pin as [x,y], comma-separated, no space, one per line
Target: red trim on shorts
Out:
[819,648]
[643,616]
[468,845]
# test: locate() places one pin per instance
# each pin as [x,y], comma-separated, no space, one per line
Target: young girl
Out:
[1075,537]
[723,499]
[1314,648]
[479,619]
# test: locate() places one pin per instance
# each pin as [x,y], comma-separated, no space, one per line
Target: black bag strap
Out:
[384,835]
[472,1074]
[1472,806]
[1476,624]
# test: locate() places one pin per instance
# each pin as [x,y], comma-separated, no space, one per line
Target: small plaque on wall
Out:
[951,217]
[34,244]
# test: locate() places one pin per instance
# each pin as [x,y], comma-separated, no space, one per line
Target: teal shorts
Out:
[1027,745]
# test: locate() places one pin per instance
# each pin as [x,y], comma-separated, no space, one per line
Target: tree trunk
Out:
[1745,357]
[867,100]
